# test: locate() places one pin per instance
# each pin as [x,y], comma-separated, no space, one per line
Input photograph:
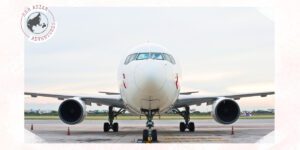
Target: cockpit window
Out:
[169,58]
[172,59]
[157,56]
[130,58]
[143,56]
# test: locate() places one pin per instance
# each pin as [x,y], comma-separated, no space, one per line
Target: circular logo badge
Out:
[38,23]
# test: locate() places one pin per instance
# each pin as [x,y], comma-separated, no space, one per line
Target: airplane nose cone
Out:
[150,76]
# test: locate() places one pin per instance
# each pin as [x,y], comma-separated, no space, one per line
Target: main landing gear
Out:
[186,115]
[111,115]
[149,135]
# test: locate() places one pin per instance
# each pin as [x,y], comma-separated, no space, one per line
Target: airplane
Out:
[149,84]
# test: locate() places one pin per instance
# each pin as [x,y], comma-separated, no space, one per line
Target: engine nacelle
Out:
[72,111]
[225,111]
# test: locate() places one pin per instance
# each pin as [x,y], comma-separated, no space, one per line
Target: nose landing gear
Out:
[111,115]
[149,135]
[186,124]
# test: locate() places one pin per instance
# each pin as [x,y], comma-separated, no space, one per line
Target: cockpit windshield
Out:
[142,56]
[130,58]
[155,56]
[169,58]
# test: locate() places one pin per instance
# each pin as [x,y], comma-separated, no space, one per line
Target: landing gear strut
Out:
[149,134]
[111,115]
[186,124]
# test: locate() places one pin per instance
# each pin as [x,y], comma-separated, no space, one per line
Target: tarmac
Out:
[130,131]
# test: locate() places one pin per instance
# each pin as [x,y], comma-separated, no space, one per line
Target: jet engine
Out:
[72,111]
[225,110]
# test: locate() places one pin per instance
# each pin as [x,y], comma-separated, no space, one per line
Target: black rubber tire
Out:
[191,126]
[154,135]
[115,127]
[106,127]
[145,135]
[181,126]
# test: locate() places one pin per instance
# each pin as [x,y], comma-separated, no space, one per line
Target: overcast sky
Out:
[221,51]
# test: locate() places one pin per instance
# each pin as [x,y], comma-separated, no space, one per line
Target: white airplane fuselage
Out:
[149,84]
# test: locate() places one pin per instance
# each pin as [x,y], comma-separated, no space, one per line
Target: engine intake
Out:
[225,111]
[72,111]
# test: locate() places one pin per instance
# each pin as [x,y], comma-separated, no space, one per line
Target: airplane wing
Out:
[109,100]
[188,93]
[109,93]
[187,100]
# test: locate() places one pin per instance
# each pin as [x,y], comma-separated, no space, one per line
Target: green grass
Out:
[166,117]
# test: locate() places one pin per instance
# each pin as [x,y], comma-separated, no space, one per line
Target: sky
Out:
[221,50]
